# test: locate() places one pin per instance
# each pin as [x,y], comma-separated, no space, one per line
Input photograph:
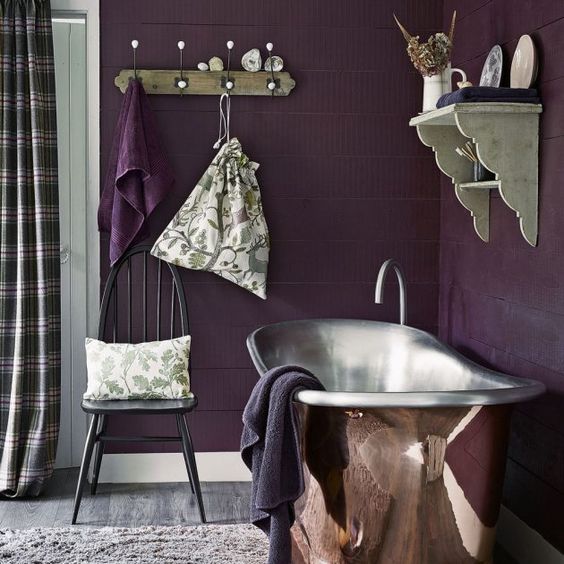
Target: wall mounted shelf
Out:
[208,82]
[506,139]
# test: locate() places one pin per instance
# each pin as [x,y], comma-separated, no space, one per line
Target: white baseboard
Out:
[524,544]
[169,467]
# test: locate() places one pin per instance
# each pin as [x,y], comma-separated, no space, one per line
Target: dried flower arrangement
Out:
[432,57]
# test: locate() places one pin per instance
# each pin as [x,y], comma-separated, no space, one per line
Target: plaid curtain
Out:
[29,250]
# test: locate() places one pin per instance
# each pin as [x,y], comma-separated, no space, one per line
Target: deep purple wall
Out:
[502,303]
[345,181]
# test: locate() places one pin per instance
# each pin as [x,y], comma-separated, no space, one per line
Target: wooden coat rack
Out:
[206,82]
[198,82]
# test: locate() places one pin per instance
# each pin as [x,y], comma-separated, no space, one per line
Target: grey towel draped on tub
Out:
[270,447]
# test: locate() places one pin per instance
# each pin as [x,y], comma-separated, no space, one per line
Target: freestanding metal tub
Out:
[404,454]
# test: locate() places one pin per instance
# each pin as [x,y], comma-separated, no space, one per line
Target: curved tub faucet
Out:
[379,294]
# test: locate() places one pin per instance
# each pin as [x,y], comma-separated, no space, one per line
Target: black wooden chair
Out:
[102,410]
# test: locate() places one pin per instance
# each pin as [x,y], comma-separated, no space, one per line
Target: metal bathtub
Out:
[404,453]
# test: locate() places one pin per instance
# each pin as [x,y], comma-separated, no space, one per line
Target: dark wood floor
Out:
[134,505]
[127,505]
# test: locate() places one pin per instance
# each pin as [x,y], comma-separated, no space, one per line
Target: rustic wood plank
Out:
[226,502]
[208,82]
[349,87]
[66,496]
[146,504]
[528,437]
[259,13]
[36,511]
[127,505]
[340,49]
[94,510]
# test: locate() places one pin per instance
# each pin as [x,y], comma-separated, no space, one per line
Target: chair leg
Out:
[87,455]
[187,444]
[185,453]
[99,448]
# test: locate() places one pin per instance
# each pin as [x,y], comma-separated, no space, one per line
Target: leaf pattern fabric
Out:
[154,370]
[221,228]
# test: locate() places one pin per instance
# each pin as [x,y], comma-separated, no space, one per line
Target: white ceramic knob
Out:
[230,45]
[229,85]
[271,85]
[182,84]
[135,43]
[181,45]
[269,46]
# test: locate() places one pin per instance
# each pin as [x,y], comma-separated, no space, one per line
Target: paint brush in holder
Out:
[481,173]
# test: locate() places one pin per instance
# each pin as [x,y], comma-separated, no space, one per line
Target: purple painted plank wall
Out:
[502,303]
[346,183]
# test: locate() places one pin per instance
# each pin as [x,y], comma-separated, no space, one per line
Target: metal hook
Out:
[229,83]
[182,84]
[135,44]
[224,119]
[271,83]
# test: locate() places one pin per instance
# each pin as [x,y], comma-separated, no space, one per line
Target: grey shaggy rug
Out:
[204,544]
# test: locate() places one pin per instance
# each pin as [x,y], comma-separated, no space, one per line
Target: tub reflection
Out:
[404,454]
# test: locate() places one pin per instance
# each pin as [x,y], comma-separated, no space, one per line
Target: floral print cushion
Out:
[221,227]
[121,371]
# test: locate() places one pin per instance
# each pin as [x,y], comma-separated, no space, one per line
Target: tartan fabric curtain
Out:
[29,250]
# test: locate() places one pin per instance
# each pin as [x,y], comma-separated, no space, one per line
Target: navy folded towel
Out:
[489,94]
[270,447]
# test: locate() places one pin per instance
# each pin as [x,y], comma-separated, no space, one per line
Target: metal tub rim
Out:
[508,389]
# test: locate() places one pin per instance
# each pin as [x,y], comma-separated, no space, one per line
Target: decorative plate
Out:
[525,63]
[491,72]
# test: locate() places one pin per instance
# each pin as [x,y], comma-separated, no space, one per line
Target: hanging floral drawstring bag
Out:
[221,227]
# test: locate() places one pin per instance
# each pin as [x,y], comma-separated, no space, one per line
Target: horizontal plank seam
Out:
[539,478]
[510,354]
[539,422]
[506,300]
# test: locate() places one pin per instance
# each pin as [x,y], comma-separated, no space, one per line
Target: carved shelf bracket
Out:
[506,140]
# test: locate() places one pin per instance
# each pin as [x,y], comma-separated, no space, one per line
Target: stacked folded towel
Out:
[489,94]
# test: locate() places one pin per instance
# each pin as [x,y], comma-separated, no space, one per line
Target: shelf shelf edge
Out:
[484,185]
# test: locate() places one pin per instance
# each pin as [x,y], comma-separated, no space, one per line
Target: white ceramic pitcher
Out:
[435,86]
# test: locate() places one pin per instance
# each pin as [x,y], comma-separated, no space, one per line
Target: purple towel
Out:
[270,447]
[489,94]
[139,175]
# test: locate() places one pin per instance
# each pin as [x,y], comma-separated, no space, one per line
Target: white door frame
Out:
[90,9]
